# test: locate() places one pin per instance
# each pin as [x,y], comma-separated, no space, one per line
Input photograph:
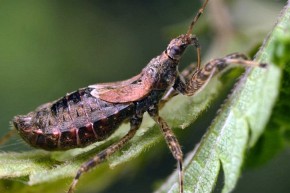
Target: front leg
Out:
[185,74]
[201,77]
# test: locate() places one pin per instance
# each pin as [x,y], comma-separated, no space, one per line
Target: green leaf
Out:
[276,136]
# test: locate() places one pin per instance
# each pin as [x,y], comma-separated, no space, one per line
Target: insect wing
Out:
[129,90]
[118,84]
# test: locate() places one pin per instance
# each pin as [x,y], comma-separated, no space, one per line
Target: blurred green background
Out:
[49,48]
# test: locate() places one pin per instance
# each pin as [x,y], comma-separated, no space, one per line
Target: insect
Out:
[93,113]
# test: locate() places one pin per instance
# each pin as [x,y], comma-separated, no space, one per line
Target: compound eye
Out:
[176,50]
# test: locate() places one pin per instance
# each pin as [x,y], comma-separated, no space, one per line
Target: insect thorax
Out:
[165,71]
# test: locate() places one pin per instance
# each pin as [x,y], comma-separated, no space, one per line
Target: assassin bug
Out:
[93,113]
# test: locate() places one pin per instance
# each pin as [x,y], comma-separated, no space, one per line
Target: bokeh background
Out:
[49,48]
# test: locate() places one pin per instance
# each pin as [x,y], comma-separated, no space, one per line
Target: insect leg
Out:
[103,155]
[184,76]
[171,141]
[201,77]
[7,136]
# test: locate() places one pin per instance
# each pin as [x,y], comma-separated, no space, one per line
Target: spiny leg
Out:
[201,77]
[171,141]
[7,136]
[103,155]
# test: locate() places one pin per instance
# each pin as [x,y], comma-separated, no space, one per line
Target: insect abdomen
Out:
[76,120]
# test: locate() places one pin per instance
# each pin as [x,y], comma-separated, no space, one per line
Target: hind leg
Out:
[103,155]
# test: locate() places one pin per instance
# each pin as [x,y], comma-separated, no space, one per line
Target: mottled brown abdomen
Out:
[75,120]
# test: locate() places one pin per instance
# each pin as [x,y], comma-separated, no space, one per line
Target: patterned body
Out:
[77,120]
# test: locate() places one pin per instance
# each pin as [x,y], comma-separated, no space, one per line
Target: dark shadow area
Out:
[220,181]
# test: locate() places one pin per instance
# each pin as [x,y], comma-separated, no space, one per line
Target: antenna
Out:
[196,17]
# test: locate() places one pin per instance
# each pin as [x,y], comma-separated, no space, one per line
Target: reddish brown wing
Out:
[118,84]
[129,90]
